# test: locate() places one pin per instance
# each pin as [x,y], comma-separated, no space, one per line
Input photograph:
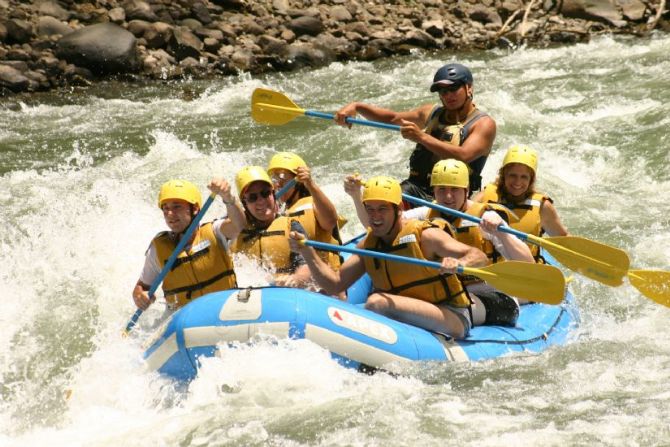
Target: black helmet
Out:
[451,74]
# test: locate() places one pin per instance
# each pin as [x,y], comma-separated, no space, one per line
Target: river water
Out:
[79,172]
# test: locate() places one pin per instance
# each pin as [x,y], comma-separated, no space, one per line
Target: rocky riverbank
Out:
[48,44]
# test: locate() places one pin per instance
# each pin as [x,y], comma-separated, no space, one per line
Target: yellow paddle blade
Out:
[654,284]
[535,282]
[274,108]
[600,262]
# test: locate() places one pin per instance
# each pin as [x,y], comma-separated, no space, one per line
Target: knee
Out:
[377,303]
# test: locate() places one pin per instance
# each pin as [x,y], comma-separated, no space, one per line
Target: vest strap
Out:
[200,285]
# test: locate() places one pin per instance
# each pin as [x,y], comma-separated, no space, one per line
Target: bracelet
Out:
[228,203]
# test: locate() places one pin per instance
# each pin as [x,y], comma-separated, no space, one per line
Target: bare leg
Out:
[417,313]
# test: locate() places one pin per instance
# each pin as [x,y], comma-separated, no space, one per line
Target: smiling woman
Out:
[515,189]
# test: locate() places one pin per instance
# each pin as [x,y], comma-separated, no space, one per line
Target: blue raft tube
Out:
[356,337]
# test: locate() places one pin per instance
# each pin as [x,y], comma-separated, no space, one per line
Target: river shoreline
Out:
[52,44]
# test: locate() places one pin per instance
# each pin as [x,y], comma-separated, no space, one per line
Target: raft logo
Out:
[362,325]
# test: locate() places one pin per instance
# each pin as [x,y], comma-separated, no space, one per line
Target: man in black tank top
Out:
[454,128]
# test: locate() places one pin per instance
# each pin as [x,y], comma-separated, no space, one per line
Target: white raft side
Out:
[362,325]
[163,353]
[245,304]
[452,350]
[349,348]
[203,336]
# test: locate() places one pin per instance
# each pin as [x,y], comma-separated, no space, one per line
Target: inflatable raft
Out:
[356,337]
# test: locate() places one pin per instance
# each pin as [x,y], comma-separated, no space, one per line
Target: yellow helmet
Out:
[250,174]
[179,189]
[521,154]
[382,188]
[286,160]
[450,172]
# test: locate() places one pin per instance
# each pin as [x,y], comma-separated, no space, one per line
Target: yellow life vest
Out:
[303,211]
[202,268]
[411,280]
[468,232]
[269,246]
[528,212]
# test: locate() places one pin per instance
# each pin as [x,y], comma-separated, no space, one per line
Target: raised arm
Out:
[324,210]
[236,220]
[352,186]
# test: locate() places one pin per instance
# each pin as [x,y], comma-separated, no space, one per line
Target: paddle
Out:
[173,257]
[654,284]
[535,282]
[276,109]
[290,184]
[594,260]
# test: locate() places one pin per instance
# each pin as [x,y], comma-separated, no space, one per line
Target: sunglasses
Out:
[443,90]
[251,198]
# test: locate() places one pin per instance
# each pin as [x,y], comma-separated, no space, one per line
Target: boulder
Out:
[632,9]
[596,10]
[104,48]
[139,10]
[306,25]
[13,79]
[185,44]
[52,9]
[18,31]
[303,54]
[49,26]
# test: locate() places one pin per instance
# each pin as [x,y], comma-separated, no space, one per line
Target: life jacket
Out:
[204,267]
[468,232]
[422,160]
[528,212]
[269,245]
[411,280]
[303,211]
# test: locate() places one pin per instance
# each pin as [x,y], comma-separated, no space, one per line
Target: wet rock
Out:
[13,79]
[599,10]
[139,10]
[340,13]
[306,25]
[52,9]
[117,15]
[158,35]
[184,43]
[485,15]
[18,31]
[200,13]
[632,9]
[50,26]
[307,55]
[103,48]
[433,27]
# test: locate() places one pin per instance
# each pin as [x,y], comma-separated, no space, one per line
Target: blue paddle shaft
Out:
[330,116]
[291,183]
[521,235]
[173,257]
[376,254]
